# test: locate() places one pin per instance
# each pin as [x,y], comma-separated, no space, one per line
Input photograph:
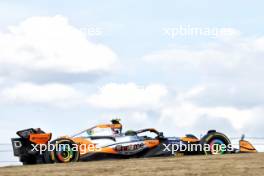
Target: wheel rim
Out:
[65,154]
[217,147]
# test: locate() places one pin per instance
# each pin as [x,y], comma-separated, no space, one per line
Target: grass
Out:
[224,165]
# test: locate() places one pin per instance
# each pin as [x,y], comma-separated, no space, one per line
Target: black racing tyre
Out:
[48,157]
[215,143]
[65,151]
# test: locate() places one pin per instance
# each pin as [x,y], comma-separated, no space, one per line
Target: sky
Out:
[178,66]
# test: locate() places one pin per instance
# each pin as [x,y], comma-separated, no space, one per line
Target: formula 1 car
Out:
[107,141]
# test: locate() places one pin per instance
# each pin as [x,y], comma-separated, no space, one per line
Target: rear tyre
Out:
[48,157]
[66,151]
[215,143]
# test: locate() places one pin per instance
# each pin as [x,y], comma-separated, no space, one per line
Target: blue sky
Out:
[54,76]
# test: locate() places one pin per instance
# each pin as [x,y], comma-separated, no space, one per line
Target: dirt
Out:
[222,165]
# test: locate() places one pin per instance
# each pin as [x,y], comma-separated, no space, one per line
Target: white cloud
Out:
[110,96]
[228,34]
[50,94]
[231,58]
[190,94]
[186,114]
[173,114]
[230,70]
[51,44]
[130,95]
[2,80]
[238,94]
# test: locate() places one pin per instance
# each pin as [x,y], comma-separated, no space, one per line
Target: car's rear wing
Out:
[22,145]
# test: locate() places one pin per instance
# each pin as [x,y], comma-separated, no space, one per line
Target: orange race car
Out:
[107,141]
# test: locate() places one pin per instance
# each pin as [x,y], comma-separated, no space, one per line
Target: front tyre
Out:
[215,143]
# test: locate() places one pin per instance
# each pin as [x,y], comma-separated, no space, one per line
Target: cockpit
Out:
[101,130]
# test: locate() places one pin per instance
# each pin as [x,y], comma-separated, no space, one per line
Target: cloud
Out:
[194,109]
[51,44]
[48,94]
[191,109]
[238,94]
[130,95]
[255,125]
[111,96]
[228,69]
[222,59]
[176,114]
[185,114]
[223,89]
[172,112]
[2,80]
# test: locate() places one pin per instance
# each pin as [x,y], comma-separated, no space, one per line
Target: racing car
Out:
[107,141]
